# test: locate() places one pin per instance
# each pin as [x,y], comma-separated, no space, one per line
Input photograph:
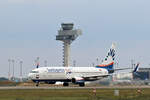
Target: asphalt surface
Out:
[60,87]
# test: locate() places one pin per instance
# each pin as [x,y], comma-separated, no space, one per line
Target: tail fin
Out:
[135,69]
[108,62]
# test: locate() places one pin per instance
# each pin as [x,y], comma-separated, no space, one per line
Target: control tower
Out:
[67,35]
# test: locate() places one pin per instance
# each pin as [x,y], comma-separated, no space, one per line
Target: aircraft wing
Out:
[121,69]
[135,69]
[90,78]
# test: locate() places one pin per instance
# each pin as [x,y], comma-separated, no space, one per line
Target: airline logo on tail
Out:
[112,53]
[108,62]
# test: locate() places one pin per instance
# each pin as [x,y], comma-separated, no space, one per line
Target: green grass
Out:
[74,94]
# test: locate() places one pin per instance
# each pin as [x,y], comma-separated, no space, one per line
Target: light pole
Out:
[13,63]
[132,63]
[45,63]
[9,62]
[37,62]
[74,63]
[97,61]
[93,64]
[21,62]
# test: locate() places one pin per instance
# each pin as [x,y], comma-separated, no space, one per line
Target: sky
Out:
[28,29]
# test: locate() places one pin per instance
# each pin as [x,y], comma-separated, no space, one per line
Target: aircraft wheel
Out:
[82,84]
[65,84]
[37,84]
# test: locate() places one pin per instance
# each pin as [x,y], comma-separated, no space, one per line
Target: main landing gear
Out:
[65,84]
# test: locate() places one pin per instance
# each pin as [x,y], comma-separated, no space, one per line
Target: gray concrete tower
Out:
[67,35]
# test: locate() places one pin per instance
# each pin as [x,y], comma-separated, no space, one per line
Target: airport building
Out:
[142,74]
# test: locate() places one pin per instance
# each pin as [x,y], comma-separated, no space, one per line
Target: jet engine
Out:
[77,80]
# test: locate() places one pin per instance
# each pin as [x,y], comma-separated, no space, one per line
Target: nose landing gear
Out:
[37,84]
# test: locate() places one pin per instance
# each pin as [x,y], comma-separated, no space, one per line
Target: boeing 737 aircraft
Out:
[76,75]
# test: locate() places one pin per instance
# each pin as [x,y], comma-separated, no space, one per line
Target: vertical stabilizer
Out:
[108,61]
[136,68]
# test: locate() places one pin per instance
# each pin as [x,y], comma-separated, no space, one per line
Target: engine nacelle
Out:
[77,80]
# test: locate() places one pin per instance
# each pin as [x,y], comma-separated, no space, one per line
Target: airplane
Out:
[125,76]
[76,75]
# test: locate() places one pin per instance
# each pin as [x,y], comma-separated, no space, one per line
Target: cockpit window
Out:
[34,72]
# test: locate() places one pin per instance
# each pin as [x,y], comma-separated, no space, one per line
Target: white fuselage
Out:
[62,73]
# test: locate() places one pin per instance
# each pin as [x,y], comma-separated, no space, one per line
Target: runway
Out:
[59,87]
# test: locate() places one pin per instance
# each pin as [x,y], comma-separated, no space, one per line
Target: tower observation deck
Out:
[67,35]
